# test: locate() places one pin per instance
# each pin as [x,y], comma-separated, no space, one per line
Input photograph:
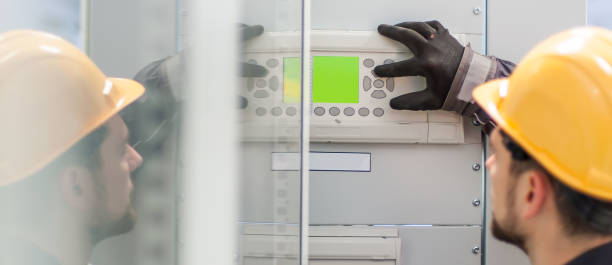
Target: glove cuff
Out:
[474,69]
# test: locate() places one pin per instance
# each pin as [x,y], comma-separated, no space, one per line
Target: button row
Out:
[273,83]
[349,111]
[378,83]
[369,62]
[276,111]
[270,62]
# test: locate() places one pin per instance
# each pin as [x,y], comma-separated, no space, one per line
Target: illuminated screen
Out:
[335,79]
[292,75]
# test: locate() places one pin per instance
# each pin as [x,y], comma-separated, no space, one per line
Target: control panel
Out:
[349,103]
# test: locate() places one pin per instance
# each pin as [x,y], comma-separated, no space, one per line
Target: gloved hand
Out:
[247,33]
[151,117]
[249,69]
[437,55]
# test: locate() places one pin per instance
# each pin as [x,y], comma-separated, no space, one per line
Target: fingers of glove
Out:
[404,68]
[250,32]
[436,25]
[412,39]
[253,70]
[421,27]
[421,100]
[242,102]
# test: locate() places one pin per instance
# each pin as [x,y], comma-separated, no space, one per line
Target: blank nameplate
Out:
[324,161]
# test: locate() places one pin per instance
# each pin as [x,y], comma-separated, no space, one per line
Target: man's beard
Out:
[509,232]
[509,235]
[121,226]
[108,228]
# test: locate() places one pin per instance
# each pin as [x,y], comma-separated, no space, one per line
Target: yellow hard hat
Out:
[557,105]
[51,96]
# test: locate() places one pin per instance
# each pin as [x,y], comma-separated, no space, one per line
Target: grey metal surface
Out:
[268,196]
[351,15]
[514,27]
[419,244]
[409,184]
[471,133]
[439,245]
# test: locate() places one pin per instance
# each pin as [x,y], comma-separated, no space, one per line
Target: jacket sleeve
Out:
[474,70]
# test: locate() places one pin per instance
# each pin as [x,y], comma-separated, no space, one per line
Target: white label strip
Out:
[324,161]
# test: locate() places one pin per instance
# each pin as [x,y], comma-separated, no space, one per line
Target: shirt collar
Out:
[601,255]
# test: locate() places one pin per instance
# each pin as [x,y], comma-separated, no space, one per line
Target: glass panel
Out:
[270,123]
[183,174]
[89,193]
[137,40]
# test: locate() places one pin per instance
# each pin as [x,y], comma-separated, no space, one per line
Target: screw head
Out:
[476,202]
[477,11]
[476,250]
[476,167]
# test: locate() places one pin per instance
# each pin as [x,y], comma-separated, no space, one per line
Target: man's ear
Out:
[538,190]
[77,187]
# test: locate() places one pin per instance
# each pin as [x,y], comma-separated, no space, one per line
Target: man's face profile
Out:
[113,212]
[504,225]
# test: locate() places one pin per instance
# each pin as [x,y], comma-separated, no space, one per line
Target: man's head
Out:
[524,192]
[550,164]
[65,154]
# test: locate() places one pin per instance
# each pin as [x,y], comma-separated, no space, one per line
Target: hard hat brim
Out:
[129,89]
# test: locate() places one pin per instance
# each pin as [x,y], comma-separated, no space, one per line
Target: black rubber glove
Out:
[249,69]
[437,55]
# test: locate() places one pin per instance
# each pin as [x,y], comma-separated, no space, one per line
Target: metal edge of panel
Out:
[85,21]
[484,141]
[305,135]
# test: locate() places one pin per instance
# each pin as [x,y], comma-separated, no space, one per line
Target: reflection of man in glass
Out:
[152,117]
[65,162]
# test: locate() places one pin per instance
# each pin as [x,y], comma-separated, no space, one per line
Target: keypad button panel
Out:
[266,94]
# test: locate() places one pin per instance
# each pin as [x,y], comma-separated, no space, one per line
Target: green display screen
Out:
[292,76]
[335,79]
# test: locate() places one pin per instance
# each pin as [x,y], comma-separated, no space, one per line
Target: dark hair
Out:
[580,213]
[85,152]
